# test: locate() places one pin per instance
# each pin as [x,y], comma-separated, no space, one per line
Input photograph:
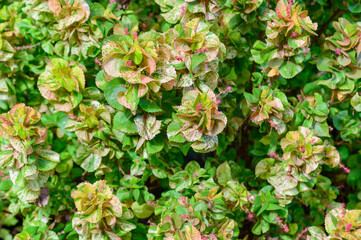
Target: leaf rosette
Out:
[345,42]
[267,105]
[198,116]
[306,152]
[237,195]
[340,59]
[128,52]
[29,165]
[70,13]
[91,120]
[137,60]
[100,214]
[62,84]
[312,112]
[196,53]
[288,40]
[246,6]
[201,212]
[18,127]
[176,10]
[297,170]
[73,30]
[314,108]
[340,222]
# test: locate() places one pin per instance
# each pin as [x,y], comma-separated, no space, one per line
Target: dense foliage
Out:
[180,119]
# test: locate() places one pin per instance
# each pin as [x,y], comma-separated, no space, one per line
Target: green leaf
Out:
[123,121]
[354,8]
[250,98]
[275,62]
[112,90]
[47,160]
[289,69]
[132,97]
[235,21]
[356,102]
[47,47]
[192,167]
[224,174]
[268,53]
[142,211]
[273,207]
[91,163]
[197,59]
[155,145]
[96,9]
[149,105]
[322,129]
[5,185]
[257,228]
[138,56]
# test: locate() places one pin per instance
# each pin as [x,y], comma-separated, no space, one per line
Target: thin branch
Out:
[334,16]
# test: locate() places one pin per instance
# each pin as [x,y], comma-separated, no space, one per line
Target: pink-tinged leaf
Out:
[142,90]
[47,93]
[84,6]
[219,123]
[65,107]
[149,62]
[132,77]
[276,104]
[111,235]
[192,233]
[185,80]
[117,206]
[55,6]
[258,117]
[182,45]
[146,79]
[358,48]
[345,42]
[343,59]
[192,133]
[148,127]
[132,97]
[123,100]
[78,75]
[112,66]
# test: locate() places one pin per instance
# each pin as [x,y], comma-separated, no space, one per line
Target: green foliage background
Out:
[180,119]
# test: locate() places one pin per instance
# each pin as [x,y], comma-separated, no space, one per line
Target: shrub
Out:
[180,119]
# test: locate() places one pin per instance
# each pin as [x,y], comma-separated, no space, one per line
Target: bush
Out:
[180,119]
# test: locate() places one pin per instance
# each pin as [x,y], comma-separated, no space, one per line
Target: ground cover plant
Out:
[180,119]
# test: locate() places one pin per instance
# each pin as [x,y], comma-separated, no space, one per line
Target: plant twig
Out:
[335,15]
